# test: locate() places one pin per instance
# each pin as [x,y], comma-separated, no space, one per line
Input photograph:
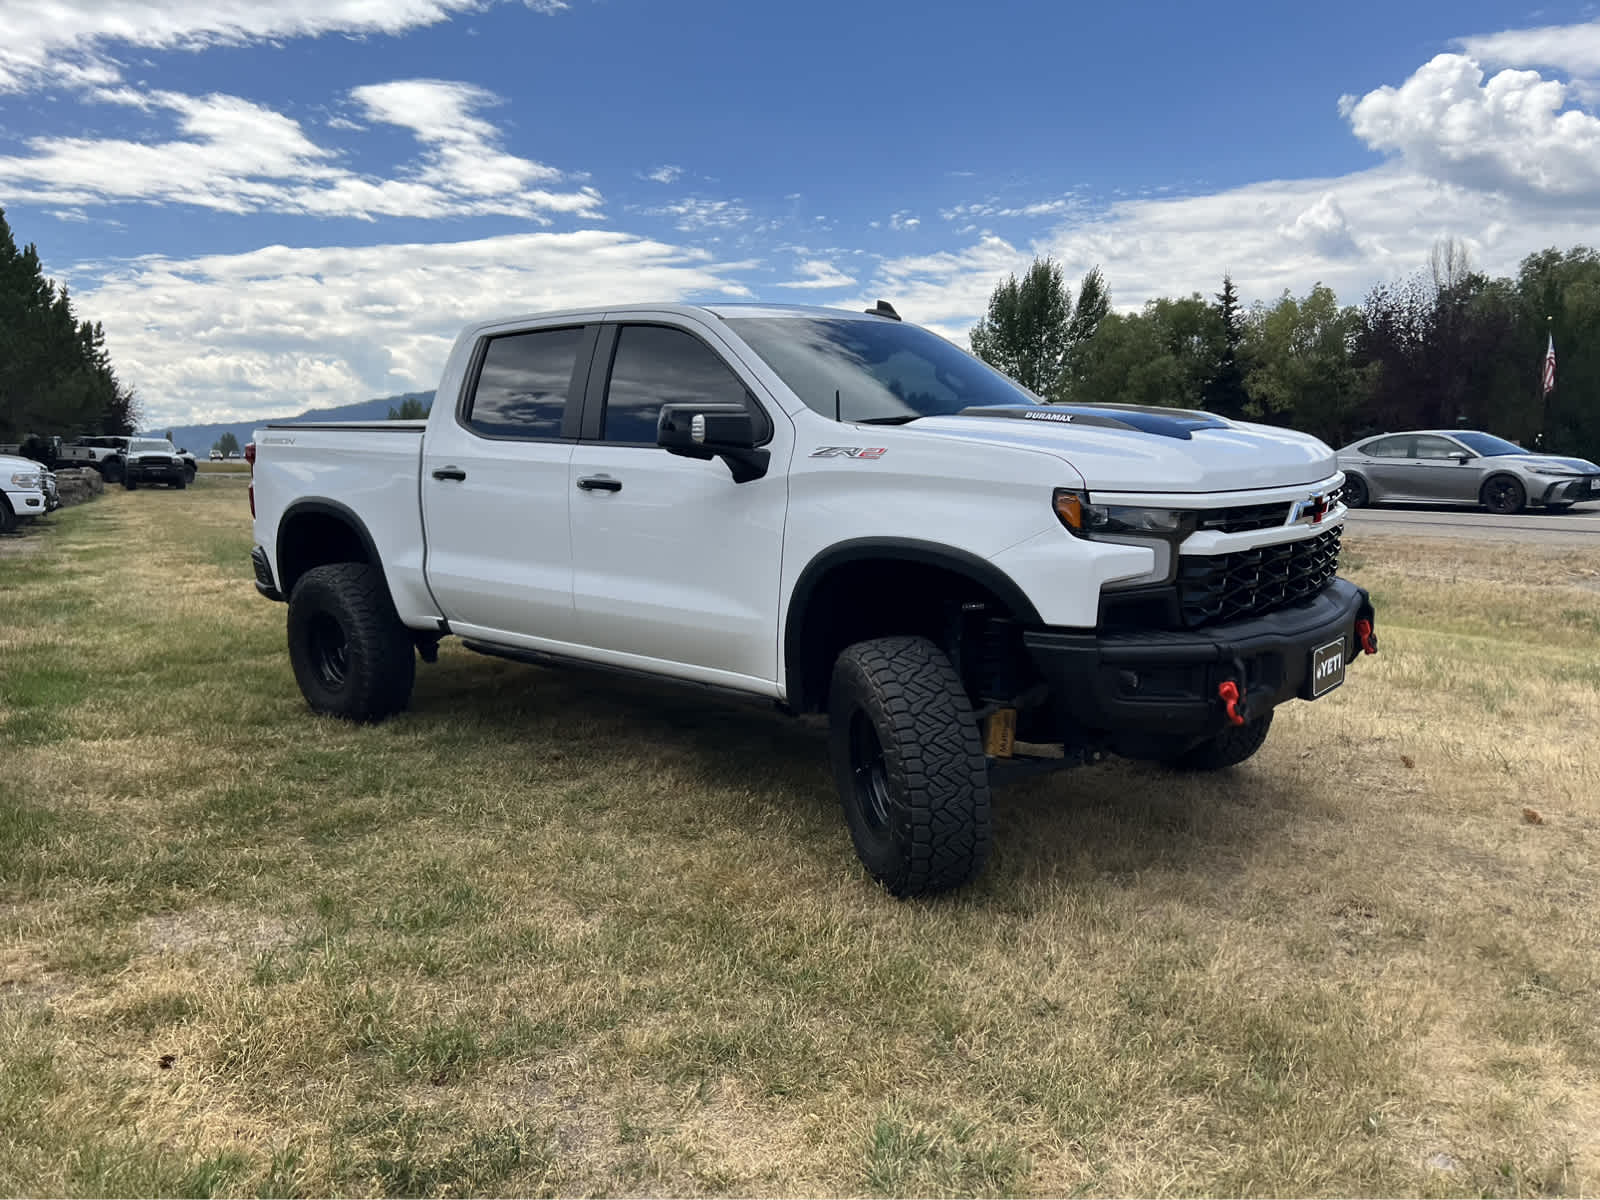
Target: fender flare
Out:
[321,506]
[910,550]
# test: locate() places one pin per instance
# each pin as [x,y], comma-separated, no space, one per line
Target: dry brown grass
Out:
[552,934]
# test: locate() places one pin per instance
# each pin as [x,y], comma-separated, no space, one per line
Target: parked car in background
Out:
[22,494]
[1462,466]
[216,456]
[154,460]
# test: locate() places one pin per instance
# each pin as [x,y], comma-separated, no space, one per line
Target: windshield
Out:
[881,370]
[1487,444]
[146,446]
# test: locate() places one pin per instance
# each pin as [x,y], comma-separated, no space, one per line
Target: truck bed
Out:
[366,467]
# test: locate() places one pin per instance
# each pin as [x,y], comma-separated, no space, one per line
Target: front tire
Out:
[1356,492]
[909,765]
[1226,749]
[351,655]
[130,483]
[1504,495]
[188,475]
[180,482]
[8,519]
[112,471]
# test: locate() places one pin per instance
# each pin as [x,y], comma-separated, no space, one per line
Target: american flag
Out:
[1550,367]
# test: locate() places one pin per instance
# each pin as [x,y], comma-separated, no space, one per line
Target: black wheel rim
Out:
[1502,494]
[330,650]
[869,773]
[1357,492]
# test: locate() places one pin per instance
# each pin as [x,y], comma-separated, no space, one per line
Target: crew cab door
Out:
[494,486]
[676,567]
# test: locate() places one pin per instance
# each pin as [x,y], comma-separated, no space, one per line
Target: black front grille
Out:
[153,461]
[1245,517]
[1247,583]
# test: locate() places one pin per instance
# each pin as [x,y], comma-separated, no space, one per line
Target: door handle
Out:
[600,483]
[450,473]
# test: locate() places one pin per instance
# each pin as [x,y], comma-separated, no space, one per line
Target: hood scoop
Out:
[1177,423]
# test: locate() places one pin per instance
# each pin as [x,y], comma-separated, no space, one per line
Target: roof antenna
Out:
[836,415]
[884,309]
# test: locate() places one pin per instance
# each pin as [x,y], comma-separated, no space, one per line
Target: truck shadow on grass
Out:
[1117,819]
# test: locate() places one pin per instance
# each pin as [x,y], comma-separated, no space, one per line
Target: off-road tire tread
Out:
[8,519]
[382,659]
[933,755]
[1226,749]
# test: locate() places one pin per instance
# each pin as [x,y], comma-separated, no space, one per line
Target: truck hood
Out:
[1126,448]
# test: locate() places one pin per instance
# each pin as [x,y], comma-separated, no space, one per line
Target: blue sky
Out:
[278,204]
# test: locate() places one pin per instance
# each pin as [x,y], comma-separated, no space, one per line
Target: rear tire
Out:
[1226,749]
[1504,495]
[130,483]
[351,655]
[1356,492]
[909,765]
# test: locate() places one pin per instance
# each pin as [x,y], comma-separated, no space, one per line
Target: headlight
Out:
[1088,520]
[27,482]
[1569,471]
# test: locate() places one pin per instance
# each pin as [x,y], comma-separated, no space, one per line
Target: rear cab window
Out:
[524,384]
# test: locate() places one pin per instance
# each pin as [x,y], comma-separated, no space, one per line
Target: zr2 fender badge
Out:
[849,452]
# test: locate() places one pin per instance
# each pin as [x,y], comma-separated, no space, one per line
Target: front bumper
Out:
[27,502]
[1164,684]
[1572,491]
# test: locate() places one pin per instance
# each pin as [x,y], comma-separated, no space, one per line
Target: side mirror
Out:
[707,431]
[1462,457]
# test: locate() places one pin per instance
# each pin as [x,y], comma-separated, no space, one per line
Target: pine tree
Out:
[1225,392]
[55,374]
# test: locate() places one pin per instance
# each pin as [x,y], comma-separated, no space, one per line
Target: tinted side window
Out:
[1389,447]
[1435,447]
[655,365]
[523,384]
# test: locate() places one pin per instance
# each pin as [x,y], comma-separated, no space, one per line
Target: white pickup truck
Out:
[834,512]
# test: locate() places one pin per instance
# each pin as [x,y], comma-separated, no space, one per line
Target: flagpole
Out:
[1544,392]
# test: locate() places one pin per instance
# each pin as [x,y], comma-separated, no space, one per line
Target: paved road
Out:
[1577,528]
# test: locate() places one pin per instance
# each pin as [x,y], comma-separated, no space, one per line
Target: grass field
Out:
[549,933]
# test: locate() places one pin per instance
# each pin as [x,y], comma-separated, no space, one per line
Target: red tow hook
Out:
[1364,635]
[1228,690]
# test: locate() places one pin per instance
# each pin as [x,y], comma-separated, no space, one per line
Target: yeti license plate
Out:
[1327,667]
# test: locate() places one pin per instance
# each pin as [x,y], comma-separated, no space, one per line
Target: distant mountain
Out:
[198,439]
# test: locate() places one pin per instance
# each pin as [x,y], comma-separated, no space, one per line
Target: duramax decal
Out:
[849,452]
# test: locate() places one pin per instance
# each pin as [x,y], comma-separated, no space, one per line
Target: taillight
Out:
[250,457]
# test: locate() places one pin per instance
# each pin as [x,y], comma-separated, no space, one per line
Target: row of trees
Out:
[55,374]
[1446,347]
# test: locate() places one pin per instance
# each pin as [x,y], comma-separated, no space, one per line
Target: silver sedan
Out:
[1462,466]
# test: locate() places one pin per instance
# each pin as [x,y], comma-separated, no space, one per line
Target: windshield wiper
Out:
[887,420]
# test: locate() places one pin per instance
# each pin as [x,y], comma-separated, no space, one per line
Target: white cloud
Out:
[1324,228]
[819,273]
[993,208]
[1273,236]
[283,329]
[1510,134]
[1571,48]
[59,39]
[695,214]
[903,220]
[234,155]
[666,173]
